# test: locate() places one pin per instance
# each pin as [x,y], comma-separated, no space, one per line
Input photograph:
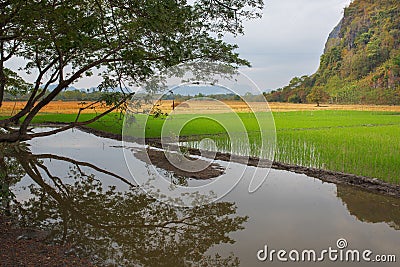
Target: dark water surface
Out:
[63,184]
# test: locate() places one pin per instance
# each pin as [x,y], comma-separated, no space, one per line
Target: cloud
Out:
[289,40]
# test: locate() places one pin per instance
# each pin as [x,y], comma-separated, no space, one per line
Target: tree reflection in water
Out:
[176,175]
[11,172]
[114,227]
[370,207]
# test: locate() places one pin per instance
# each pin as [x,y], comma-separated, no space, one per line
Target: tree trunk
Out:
[13,137]
[3,81]
[5,192]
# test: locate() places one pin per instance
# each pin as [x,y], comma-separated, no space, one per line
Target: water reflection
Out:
[370,207]
[179,176]
[110,225]
[11,172]
[69,193]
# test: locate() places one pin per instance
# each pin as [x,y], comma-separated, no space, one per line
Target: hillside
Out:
[361,60]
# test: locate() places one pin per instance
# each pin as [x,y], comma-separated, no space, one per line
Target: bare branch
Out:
[81,163]
[56,180]
[83,108]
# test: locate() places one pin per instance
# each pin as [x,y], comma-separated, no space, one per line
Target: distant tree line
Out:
[223,97]
[92,95]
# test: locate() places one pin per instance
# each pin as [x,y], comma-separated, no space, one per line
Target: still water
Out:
[78,187]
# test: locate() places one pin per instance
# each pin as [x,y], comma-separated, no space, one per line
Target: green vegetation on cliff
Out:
[361,61]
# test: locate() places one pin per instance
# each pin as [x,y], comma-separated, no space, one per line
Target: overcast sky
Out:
[289,40]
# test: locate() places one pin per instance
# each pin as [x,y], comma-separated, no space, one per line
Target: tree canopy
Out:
[124,42]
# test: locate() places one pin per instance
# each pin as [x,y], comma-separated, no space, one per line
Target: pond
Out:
[78,187]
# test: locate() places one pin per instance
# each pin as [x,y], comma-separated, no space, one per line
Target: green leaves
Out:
[141,36]
[111,98]
[15,85]
[122,41]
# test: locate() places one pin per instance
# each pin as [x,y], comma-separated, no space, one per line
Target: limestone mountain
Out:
[361,60]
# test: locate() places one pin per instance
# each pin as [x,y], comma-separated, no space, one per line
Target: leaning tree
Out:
[46,46]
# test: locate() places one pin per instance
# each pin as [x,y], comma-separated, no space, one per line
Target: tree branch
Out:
[74,124]
[59,88]
[32,99]
[81,163]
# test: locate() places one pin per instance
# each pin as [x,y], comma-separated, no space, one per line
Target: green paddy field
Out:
[365,143]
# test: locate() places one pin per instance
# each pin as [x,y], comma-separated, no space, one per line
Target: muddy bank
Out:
[158,159]
[27,247]
[370,184]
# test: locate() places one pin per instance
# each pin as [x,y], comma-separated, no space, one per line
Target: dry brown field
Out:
[68,107]
[63,107]
[274,106]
